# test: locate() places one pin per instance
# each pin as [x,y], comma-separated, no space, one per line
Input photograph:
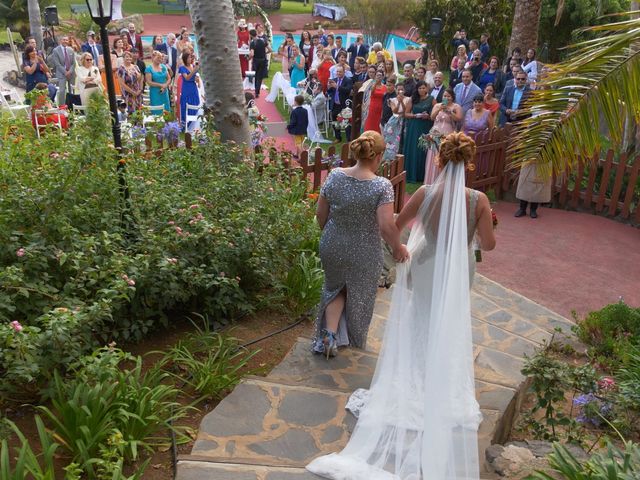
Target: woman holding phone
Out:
[445,115]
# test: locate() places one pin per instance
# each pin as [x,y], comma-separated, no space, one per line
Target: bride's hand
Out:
[401,255]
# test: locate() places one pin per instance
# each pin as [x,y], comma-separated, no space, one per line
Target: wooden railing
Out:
[602,186]
[491,149]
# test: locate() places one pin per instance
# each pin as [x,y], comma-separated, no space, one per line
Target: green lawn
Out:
[4,38]
[291,6]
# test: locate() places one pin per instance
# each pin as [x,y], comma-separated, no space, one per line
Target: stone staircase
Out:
[270,428]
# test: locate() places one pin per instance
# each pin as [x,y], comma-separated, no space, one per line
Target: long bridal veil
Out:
[420,419]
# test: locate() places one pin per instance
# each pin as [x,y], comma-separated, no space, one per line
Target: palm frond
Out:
[599,85]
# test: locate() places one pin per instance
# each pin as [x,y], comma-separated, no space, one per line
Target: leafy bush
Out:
[209,234]
[27,464]
[303,284]
[614,464]
[611,333]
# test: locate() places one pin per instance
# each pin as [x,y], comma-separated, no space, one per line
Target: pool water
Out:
[347,39]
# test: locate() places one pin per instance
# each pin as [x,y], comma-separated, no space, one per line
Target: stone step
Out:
[202,470]
[275,425]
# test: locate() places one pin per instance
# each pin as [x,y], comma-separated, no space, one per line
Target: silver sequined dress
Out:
[351,251]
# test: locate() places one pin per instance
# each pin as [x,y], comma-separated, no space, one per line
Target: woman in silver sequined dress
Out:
[355,208]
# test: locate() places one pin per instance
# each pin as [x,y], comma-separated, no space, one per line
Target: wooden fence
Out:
[603,186]
[491,151]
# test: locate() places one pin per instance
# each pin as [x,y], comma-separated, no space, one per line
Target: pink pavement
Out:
[565,260]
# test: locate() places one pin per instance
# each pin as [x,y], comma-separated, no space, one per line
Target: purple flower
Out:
[583,400]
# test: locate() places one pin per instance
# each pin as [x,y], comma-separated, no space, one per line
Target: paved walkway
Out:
[270,428]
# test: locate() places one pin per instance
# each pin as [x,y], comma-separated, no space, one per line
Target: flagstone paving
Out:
[270,427]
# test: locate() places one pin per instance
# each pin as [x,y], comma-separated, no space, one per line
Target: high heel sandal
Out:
[330,344]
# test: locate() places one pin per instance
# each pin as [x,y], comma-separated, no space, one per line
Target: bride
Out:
[419,420]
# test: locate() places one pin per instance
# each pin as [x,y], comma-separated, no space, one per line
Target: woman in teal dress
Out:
[158,78]
[418,122]
[297,72]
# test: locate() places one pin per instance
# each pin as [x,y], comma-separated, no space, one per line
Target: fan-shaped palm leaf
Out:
[599,83]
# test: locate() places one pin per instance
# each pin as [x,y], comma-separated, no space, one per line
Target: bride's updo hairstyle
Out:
[457,147]
[367,146]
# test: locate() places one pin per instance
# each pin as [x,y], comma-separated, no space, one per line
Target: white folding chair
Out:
[193,114]
[41,117]
[156,112]
[13,104]
[79,109]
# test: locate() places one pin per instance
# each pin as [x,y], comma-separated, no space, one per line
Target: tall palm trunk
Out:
[526,23]
[35,21]
[213,21]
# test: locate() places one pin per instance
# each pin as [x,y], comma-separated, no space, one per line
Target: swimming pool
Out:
[348,38]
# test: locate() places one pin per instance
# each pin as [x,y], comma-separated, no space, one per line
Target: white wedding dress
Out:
[419,420]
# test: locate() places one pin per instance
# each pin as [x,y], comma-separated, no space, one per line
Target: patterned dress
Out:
[351,252]
[131,78]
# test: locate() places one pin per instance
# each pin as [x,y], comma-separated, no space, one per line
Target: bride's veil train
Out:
[421,417]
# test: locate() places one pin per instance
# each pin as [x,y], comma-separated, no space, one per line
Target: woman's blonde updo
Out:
[367,146]
[457,147]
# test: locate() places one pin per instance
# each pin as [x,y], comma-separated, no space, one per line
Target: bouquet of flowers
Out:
[308,98]
[343,120]
[258,127]
[430,140]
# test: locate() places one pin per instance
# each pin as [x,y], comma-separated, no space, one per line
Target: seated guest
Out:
[311,82]
[43,102]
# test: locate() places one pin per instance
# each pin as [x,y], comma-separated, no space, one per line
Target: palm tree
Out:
[35,21]
[598,87]
[218,48]
[526,23]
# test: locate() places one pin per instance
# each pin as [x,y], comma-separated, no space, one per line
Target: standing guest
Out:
[139,63]
[446,115]
[135,40]
[473,46]
[476,66]
[157,43]
[63,59]
[324,69]
[342,61]
[92,47]
[286,53]
[371,118]
[243,42]
[188,93]
[492,74]
[513,99]
[516,54]
[425,57]
[530,66]
[338,91]
[184,41]
[313,52]
[171,54]
[409,80]
[387,111]
[331,44]
[455,76]
[259,50]
[318,57]
[184,31]
[118,51]
[298,123]
[418,123]
[355,207]
[158,78]
[392,130]
[305,43]
[491,103]
[337,49]
[30,41]
[466,91]
[311,83]
[357,49]
[131,84]
[514,71]
[477,119]
[36,70]
[88,80]
[116,63]
[297,72]
[360,74]
[460,38]
[419,75]
[319,104]
[533,189]
[431,72]
[389,69]
[460,57]
[438,87]
[484,47]
[323,38]
[509,76]
[373,53]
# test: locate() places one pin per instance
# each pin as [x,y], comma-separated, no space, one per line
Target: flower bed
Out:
[204,233]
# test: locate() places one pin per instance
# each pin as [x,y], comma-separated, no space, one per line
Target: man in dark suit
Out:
[513,99]
[357,49]
[338,92]
[338,48]
[95,49]
[171,53]
[438,87]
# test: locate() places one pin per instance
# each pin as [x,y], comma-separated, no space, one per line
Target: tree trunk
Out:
[220,65]
[526,23]
[35,21]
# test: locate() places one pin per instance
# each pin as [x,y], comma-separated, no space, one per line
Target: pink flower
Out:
[178,230]
[248,230]
[171,222]
[606,383]
[270,189]
[238,278]
[231,245]
[130,281]
[172,261]
[194,206]
[16,326]
[20,252]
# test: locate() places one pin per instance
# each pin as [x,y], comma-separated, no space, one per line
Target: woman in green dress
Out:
[418,122]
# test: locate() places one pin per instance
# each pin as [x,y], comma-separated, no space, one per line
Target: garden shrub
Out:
[207,233]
